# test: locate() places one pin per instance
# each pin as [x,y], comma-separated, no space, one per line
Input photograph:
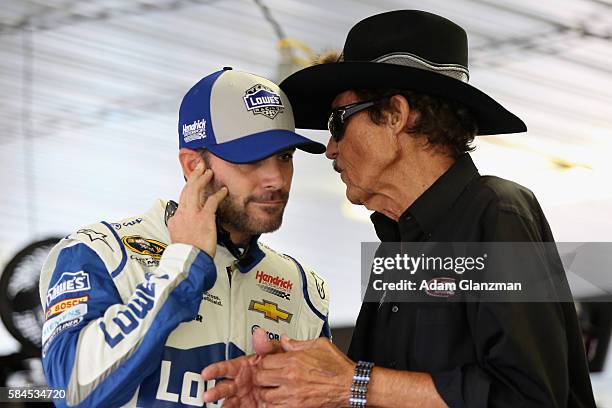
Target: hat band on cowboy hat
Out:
[410,60]
[408,50]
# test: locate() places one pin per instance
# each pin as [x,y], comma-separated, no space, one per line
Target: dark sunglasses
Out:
[339,116]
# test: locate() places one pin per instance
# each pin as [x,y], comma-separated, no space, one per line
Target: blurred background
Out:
[89,95]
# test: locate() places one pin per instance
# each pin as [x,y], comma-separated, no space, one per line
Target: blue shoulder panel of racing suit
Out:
[120,385]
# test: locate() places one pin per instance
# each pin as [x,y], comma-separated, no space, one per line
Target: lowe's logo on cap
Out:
[194,131]
[262,100]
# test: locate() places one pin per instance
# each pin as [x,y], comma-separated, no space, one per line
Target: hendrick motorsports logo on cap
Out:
[194,131]
[263,101]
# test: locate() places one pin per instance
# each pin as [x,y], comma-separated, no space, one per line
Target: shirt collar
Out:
[430,206]
[386,229]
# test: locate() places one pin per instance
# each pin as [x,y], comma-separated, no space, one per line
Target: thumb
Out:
[295,345]
[262,345]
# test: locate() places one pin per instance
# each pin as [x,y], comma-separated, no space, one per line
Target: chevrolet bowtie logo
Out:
[270,311]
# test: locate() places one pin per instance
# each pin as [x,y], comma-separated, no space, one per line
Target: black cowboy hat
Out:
[404,49]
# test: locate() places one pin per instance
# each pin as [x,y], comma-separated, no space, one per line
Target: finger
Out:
[288,344]
[186,195]
[260,340]
[225,369]
[197,171]
[263,345]
[199,168]
[195,189]
[212,202]
[270,378]
[225,389]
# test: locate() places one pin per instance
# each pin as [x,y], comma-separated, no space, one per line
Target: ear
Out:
[189,159]
[399,113]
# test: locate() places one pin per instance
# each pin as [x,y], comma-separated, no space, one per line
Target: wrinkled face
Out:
[258,192]
[362,154]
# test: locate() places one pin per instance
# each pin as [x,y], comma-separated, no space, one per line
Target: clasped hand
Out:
[289,373]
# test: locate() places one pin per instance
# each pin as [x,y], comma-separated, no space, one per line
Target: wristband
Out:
[359,387]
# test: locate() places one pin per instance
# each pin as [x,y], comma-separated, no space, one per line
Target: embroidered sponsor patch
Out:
[71,314]
[144,246]
[440,287]
[275,292]
[270,311]
[273,281]
[126,319]
[214,299]
[194,131]
[128,223]
[95,236]
[262,100]
[58,330]
[320,284]
[64,305]
[146,262]
[271,335]
[69,282]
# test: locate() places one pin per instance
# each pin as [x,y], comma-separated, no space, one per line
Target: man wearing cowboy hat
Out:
[402,121]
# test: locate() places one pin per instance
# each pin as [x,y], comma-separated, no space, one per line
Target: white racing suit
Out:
[133,320]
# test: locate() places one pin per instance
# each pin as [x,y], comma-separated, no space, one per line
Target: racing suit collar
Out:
[249,257]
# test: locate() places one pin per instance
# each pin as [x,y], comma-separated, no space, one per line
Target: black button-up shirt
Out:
[479,354]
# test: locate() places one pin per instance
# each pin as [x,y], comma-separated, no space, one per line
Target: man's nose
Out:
[332,149]
[272,175]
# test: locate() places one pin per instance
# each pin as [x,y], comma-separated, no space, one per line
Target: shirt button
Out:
[394,309]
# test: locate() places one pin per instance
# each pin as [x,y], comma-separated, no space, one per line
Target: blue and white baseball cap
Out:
[239,117]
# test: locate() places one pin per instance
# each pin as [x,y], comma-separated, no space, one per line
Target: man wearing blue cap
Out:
[137,308]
